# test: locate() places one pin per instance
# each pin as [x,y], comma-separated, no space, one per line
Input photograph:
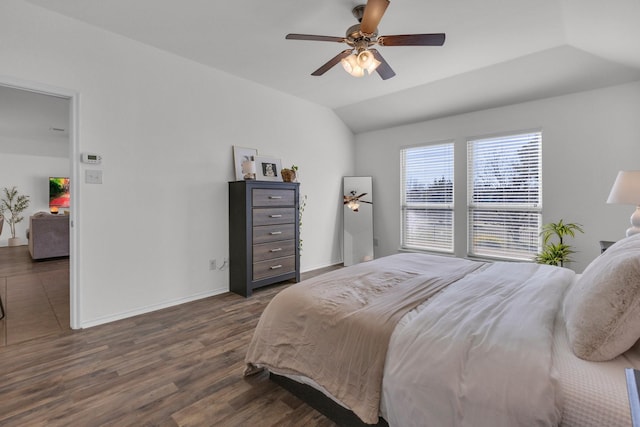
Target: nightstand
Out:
[604,245]
[632,376]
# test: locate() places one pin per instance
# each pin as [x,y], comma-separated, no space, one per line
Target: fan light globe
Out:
[350,65]
[365,58]
[372,67]
[353,205]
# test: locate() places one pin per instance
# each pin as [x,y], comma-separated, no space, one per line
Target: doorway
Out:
[51,127]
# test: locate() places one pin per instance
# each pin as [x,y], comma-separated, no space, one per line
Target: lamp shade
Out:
[626,189]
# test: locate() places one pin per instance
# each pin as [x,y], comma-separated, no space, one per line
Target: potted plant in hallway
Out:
[14,204]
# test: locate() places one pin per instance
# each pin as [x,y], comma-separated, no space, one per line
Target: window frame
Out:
[533,208]
[449,206]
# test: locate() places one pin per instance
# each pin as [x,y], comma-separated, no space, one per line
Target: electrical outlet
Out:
[212,264]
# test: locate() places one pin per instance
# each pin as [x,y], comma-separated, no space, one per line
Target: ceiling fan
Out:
[360,56]
[353,202]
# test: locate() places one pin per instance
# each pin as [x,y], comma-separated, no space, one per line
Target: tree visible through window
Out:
[427,197]
[504,196]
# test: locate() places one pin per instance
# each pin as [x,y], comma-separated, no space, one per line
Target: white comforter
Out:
[479,353]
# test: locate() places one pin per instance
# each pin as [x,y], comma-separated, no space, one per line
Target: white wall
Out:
[30,174]
[587,138]
[165,127]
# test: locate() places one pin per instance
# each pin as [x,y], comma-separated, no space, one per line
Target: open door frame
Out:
[74,160]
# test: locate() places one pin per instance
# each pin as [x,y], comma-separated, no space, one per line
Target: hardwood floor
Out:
[181,366]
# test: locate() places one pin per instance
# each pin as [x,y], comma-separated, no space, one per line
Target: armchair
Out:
[48,235]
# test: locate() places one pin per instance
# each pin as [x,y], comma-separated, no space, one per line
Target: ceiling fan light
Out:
[372,67]
[365,58]
[350,65]
[353,205]
[357,72]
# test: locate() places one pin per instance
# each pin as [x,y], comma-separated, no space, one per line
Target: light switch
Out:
[93,176]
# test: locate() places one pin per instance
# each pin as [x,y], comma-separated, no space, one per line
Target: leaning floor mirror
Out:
[358,219]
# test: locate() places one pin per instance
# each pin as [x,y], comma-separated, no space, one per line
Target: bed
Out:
[421,339]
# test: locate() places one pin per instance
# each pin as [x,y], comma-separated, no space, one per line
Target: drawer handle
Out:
[275,267]
[275,250]
[275,197]
[275,233]
[275,216]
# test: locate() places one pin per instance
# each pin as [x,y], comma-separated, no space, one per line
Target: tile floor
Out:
[35,296]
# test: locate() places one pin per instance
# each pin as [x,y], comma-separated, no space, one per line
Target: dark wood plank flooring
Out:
[181,366]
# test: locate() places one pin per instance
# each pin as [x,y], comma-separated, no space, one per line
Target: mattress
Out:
[593,393]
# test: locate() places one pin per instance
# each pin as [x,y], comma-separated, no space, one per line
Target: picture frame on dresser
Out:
[242,158]
[268,168]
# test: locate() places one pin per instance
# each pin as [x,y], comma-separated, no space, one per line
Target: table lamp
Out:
[626,191]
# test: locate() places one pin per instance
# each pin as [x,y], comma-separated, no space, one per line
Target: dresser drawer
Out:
[267,216]
[273,233]
[273,197]
[273,267]
[272,250]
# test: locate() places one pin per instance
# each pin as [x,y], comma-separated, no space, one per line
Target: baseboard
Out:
[5,244]
[150,308]
[320,267]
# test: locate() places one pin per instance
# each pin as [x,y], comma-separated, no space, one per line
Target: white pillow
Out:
[602,310]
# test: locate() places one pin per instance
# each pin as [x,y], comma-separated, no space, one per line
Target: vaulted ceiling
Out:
[497,52]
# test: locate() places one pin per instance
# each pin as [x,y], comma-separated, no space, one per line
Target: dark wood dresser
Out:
[263,234]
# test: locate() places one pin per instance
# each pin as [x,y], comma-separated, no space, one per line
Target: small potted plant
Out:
[289,175]
[557,253]
[14,204]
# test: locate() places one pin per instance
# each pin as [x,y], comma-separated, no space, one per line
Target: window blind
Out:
[427,197]
[504,196]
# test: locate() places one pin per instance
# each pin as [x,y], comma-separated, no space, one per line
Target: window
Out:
[427,197]
[504,196]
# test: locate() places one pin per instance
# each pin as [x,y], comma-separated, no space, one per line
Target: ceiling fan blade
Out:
[412,40]
[372,15]
[384,70]
[315,38]
[333,61]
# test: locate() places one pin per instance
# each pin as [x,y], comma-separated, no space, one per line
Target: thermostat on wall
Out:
[94,159]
